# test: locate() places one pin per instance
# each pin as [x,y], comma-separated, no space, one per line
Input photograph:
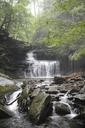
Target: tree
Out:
[62,25]
[16,19]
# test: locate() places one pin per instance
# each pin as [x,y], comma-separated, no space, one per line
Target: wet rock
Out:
[80,99]
[56,97]
[47,87]
[35,92]
[80,117]
[59,80]
[78,121]
[24,99]
[6,86]
[5,113]
[40,108]
[58,122]
[24,84]
[52,90]
[75,87]
[5,76]
[40,81]
[75,77]
[74,90]
[62,109]
[82,90]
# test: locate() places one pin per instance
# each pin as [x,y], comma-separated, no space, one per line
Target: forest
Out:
[56,23]
[42,63]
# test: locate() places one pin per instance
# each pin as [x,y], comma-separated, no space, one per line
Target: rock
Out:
[52,90]
[35,92]
[74,76]
[59,80]
[5,113]
[80,98]
[74,90]
[79,120]
[24,84]
[40,81]
[5,76]
[82,90]
[40,108]
[62,109]
[11,63]
[55,98]
[6,86]
[24,99]
[69,86]
[80,117]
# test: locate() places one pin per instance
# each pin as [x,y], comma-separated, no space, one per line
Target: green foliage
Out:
[17,19]
[61,23]
[63,26]
[77,55]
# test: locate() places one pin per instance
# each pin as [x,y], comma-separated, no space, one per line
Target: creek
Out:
[38,69]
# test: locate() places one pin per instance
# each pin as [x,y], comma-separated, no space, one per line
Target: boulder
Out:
[82,90]
[35,92]
[80,99]
[24,99]
[6,86]
[80,116]
[79,120]
[52,90]
[59,80]
[69,86]
[40,108]
[62,109]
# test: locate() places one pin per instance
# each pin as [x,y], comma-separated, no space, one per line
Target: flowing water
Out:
[20,120]
[41,68]
[14,107]
[36,69]
[64,100]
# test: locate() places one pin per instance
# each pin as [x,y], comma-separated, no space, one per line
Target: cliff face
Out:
[12,56]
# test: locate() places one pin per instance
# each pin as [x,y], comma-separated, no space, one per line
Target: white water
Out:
[41,68]
[13,107]
[64,100]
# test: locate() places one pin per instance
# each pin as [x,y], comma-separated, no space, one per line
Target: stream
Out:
[38,69]
[20,120]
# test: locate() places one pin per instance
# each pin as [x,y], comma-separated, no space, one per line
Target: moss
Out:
[7,89]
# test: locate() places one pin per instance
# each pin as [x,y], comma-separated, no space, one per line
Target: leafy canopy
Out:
[62,25]
[16,19]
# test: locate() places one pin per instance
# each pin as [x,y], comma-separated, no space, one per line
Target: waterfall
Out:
[41,68]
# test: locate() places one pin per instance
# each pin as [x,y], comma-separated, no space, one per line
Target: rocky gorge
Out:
[35,93]
[58,103]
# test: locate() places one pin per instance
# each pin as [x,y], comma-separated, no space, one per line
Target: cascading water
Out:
[41,68]
[64,100]
[13,107]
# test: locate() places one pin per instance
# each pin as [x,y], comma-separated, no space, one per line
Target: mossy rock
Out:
[24,99]
[6,86]
[40,108]
[7,89]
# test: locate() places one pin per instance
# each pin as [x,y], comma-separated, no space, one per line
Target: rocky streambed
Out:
[58,103]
